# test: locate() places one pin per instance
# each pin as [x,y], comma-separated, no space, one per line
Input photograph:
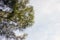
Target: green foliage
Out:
[22,15]
[25,14]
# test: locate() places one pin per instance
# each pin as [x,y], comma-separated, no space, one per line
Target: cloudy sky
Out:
[47,20]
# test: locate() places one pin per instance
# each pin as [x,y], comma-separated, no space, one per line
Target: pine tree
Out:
[20,16]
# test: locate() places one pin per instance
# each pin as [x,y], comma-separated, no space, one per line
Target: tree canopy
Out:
[21,16]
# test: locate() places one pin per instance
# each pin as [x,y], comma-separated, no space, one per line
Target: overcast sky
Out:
[47,20]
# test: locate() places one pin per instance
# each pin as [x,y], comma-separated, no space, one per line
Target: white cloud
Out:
[47,20]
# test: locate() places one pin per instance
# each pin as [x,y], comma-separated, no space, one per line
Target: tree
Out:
[15,14]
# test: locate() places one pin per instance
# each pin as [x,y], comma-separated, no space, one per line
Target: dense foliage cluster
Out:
[20,17]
